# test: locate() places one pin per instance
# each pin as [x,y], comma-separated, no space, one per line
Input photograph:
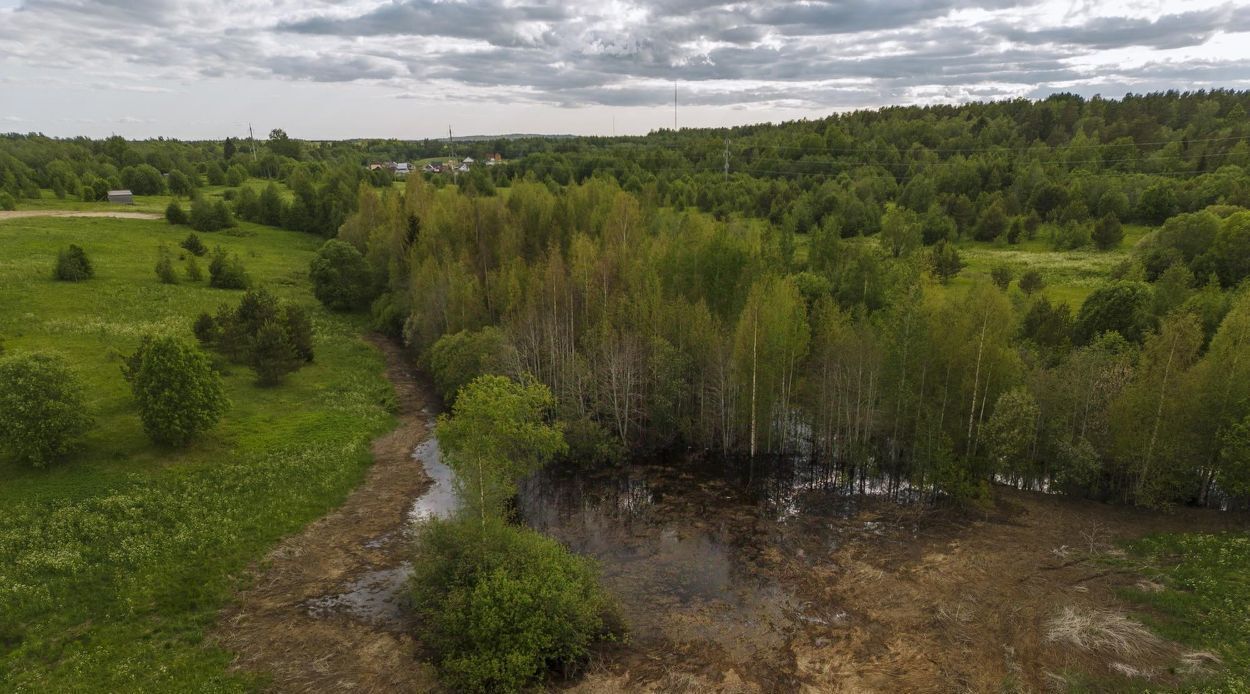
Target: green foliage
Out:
[458,359]
[342,279]
[235,176]
[178,393]
[143,179]
[1122,307]
[227,272]
[194,245]
[174,214]
[501,606]
[274,338]
[6,201]
[1031,282]
[1000,275]
[165,267]
[210,215]
[73,265]
[1157,203]
[180,184]
[194,274]
[496,434]
[945,261]
[42,411]
[1108,233]
[901,231]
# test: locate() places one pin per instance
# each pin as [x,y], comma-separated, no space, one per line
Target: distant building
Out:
[494,159]
[402,169]
[468,161]
[121,197]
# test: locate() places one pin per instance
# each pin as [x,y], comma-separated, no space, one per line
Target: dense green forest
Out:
[798,303]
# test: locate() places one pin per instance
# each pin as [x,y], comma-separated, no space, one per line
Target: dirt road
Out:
[120,214]
[274,626]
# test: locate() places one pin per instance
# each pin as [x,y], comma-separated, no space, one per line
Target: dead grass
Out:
[1103,632]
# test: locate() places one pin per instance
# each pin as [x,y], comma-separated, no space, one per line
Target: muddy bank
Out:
[322,613]
[737,585]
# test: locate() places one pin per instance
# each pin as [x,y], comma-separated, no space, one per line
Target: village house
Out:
[121,197]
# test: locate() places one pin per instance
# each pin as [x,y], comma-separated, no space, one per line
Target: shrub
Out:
[591,445]
[42,413]
[73,265]
[945,261]
[1071,236]
[206,329]
[501,606]
[342,279]
[165,267]
[178,392]
[1031,282]
[194,273]
[180,183]
[1108,233]
[457,359]
[143,179]
[174,214]
[194,245]
[272,354]
[210,216]
[227,272]
[6,201]
[1001,276]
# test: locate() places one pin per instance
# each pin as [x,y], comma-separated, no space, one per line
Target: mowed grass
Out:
[115,563]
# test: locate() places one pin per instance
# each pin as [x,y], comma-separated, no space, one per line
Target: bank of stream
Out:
[731,576]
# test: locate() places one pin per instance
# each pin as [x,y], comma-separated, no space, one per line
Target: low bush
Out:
[42,412]
[341,277]
[73,265]
[227,272]
[272,337]
[174,214]
[210,216]
[457,359]
[194,274]
[193,245]
[7,202]
[1031,282]
[165,267]
[502,606]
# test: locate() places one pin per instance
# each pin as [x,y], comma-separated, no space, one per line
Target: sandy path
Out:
[22,214]
[270,627]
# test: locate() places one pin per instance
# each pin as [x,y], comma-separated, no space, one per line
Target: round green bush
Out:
[502,606]
[341,277]
[178,392]
[42,414]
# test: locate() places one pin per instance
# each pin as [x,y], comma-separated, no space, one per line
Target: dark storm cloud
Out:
[489,21]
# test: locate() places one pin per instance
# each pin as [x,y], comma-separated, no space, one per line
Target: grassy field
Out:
[1205,602]
[117,561]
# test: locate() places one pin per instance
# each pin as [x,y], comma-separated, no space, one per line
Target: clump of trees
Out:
[43,414]
[502,605]
[274,338]
[210,215]
[73,265]
[178,392]
[174,214]
[226,271]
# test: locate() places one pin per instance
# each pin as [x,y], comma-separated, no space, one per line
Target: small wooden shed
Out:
[121,197]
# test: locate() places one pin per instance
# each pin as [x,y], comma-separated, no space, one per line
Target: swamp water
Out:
[709,561]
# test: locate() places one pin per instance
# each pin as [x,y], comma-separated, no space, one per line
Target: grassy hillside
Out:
[117,560]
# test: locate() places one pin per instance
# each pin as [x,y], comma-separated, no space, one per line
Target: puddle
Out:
[377,597]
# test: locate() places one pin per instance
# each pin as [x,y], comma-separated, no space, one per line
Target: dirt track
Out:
[22,214]
[270,626]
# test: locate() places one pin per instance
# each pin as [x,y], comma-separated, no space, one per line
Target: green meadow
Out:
[117,560]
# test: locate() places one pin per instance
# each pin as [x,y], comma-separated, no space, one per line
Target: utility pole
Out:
[726,159]
[252,137]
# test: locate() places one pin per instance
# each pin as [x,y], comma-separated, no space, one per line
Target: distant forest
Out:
[670,305]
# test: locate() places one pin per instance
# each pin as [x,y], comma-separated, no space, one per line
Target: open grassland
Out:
[116,561]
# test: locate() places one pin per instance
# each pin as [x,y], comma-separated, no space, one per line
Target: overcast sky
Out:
[411,68]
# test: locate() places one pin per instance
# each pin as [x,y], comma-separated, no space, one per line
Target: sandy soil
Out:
[20,214]
[273,627]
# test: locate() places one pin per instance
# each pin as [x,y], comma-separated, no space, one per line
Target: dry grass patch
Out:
[1102,631]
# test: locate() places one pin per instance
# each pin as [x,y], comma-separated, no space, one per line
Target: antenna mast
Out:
[252,137]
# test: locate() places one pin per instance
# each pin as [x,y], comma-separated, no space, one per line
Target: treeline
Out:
[660,330]
[1065,159]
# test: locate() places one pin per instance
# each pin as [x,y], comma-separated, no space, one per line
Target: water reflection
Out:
[439,500]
